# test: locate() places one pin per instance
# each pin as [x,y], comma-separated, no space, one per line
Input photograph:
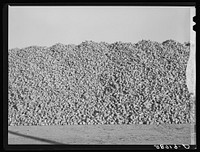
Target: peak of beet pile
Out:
[99,83]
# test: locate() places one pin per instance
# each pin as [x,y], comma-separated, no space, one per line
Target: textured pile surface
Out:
[99,83]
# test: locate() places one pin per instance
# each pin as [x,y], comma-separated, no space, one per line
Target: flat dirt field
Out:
[102,134]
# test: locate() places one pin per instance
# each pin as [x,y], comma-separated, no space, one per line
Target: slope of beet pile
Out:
[99,83]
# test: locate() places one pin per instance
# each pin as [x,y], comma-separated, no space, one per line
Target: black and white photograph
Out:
[101,75]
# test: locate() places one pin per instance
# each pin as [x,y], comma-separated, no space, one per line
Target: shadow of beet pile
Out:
[99,83]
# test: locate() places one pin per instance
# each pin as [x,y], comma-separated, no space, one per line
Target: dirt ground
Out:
[102,134]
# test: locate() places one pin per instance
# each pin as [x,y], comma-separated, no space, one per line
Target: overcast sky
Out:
[45,26]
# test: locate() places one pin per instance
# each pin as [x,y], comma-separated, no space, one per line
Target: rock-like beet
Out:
[120,83]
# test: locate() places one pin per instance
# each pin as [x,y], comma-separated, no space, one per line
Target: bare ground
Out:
[102,134]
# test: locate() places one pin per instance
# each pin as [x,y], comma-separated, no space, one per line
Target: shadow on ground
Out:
[35,138]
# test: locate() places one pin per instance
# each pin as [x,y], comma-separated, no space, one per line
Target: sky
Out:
[46,26]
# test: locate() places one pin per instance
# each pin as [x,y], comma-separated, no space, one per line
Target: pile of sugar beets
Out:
[99,83]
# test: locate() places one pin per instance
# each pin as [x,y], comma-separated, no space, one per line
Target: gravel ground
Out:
[102,134]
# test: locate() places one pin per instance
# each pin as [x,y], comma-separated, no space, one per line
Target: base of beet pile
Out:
[100,83]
